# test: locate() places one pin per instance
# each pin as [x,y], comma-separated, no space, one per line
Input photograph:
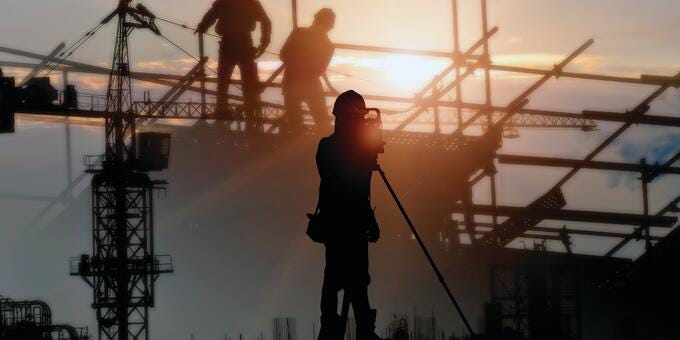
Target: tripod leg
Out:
[427,253]
[344,314]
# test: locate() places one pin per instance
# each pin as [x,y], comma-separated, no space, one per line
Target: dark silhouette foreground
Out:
[345,168]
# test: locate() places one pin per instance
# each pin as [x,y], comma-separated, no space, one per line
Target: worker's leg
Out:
[251,87]
[361,308]
[224,71]
[358,290]
[316,101]
[292,99]
[332,283]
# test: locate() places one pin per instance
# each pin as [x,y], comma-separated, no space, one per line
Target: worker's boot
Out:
[366,328]
[331,327]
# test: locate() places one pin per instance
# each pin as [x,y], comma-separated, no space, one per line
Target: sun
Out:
[409,73]
[402,72]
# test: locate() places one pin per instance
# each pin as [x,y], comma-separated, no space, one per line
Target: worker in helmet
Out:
[236,20]
[345,169]
[305,56]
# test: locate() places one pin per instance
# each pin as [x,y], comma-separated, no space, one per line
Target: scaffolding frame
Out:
[496,122]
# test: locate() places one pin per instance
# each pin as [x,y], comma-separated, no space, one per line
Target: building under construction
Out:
[515,269]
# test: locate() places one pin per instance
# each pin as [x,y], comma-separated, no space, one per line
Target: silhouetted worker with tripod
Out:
[345,165]
[236,20]
[306,55]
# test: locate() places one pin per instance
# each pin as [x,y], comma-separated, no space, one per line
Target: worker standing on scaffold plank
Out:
[346,219]
[236,20]
[306,55]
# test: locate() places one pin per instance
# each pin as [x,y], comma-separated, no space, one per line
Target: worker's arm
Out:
[322,160]
[327,57]
[209,18]
[323,167]
[266,27]
[285,52]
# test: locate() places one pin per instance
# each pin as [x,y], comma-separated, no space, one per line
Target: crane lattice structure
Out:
[473,156]
[123,268]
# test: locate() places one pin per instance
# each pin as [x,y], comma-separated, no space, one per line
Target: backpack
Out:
[316,230]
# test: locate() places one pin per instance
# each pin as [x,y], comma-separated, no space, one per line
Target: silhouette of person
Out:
[236,20]
[345,209]
[306,55]
[8,103]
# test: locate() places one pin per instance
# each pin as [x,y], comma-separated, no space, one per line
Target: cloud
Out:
[654,148]
[19,73]
[180,65]
[544,59]
[515,40]
[96,83]
[658,152]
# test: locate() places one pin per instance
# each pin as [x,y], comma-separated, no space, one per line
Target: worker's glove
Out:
[260,51]
[262,48]
[201,28]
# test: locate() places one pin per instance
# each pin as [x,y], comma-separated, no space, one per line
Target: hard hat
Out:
[349,102]
[324,14]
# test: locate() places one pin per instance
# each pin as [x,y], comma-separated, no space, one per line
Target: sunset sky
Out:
[632,37]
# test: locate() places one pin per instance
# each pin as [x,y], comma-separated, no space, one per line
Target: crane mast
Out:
[123,268]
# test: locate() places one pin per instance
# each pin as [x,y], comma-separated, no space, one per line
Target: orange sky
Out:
[631,37]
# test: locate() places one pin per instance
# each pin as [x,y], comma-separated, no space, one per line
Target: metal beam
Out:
[575,215]
[662,120]
[583,232]
[42,64]
[568,230]
[656,80]
[673,81]
[638,232]
[640,110]
[436,97]
[570,163]
[644,79]
[37,56]
[594,115]
[392,50]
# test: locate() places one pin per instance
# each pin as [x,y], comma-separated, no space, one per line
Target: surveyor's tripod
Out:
[346,299]
[424,248]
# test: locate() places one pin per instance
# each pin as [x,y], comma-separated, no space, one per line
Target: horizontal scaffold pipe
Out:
[575,215]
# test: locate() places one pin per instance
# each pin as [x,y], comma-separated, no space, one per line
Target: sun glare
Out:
[404,73]
[411,72]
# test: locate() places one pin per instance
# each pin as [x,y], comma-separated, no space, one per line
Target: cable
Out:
[186,27]
[63,56]
[186,52]
[193,57]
